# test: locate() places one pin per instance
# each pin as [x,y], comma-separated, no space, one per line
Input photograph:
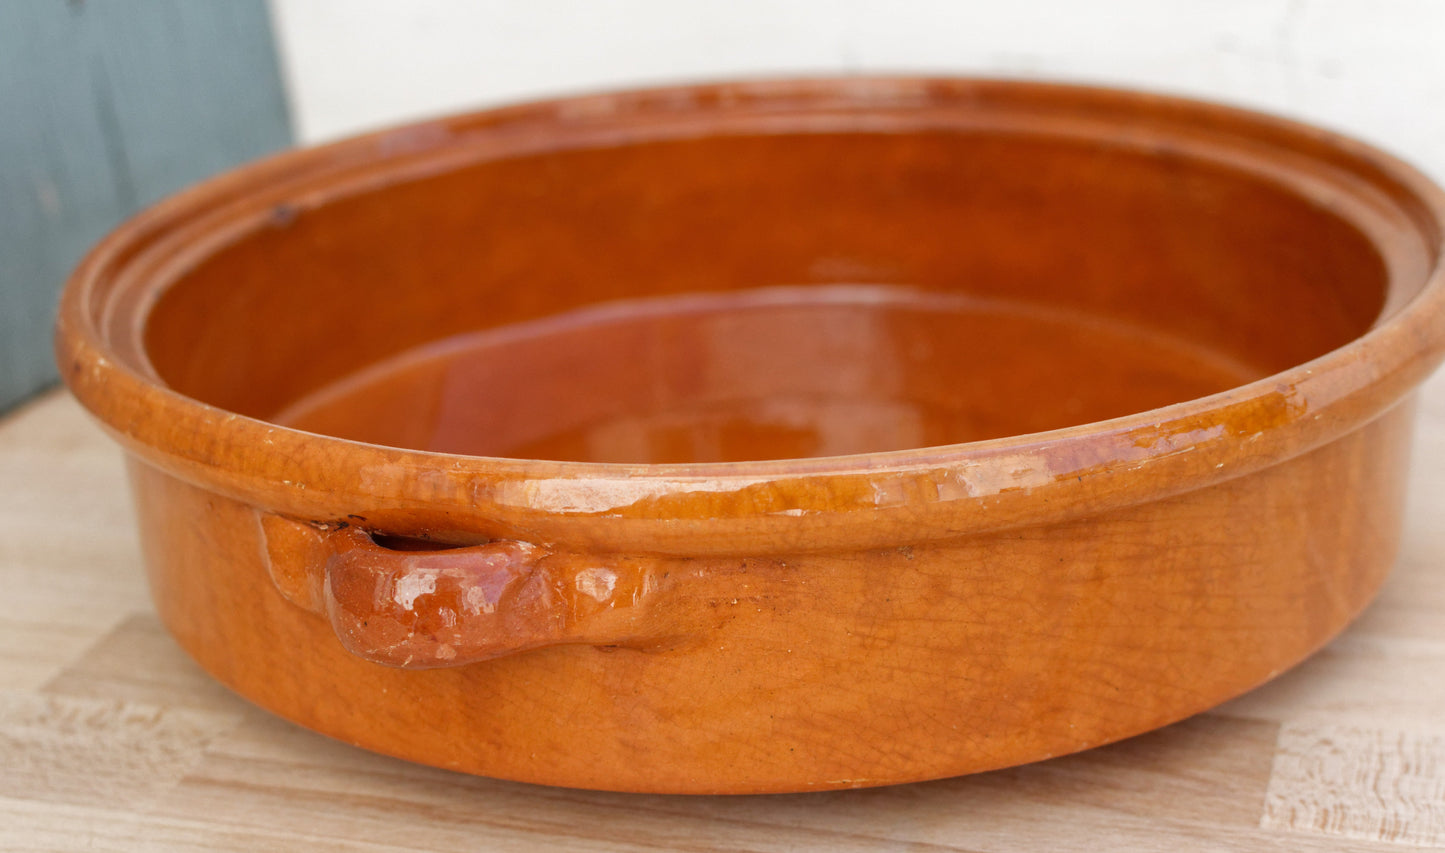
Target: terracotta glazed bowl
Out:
[769,436]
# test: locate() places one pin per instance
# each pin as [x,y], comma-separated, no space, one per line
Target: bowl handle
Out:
[434,608]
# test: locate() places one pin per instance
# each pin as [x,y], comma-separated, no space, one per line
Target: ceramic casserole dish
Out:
[769,436]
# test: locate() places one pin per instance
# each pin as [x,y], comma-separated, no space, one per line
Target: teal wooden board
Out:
[106,106]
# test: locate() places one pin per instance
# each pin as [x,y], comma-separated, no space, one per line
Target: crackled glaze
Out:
[688,615]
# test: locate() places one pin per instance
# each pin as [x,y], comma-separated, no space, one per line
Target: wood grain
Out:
[111,738]
[1359,783]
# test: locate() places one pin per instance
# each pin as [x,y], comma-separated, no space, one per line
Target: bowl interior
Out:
[772,373]
[997,283]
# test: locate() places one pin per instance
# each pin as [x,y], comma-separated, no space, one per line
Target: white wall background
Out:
[1372,68]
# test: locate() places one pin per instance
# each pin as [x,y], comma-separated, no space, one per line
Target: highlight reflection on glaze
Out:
[779,373]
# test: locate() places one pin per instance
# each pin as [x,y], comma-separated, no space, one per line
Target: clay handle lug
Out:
[437,608]
[291,551]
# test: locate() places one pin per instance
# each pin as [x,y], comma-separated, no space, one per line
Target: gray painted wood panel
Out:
[106,106]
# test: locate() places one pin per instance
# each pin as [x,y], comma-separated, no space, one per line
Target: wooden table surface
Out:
[110,738]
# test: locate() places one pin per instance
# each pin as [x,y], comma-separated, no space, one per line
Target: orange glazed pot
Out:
[769,436]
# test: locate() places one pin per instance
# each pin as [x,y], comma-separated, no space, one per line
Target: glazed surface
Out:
[765,374]
[1211,253]
[1261,241]
[663,608]
[805,672]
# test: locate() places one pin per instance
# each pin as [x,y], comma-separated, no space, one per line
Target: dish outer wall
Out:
[781,626]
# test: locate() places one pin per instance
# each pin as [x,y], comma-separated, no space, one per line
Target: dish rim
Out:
[1129,459]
